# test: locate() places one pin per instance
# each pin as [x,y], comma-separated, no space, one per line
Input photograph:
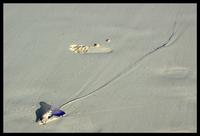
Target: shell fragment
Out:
[96,48]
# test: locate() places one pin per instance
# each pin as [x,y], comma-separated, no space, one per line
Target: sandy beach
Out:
[145,86]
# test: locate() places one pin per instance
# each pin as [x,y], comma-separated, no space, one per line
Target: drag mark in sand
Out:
[128,69]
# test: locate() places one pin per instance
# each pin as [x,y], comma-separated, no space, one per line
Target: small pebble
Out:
[107,40]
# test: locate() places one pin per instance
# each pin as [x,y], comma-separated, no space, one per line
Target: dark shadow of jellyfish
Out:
[44,107]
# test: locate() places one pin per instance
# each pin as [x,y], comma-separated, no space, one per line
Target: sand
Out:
[156,91]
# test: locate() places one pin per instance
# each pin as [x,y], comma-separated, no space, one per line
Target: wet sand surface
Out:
[145,87]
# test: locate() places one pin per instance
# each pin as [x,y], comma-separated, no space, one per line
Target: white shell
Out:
[89,49]
[53,118]
[48,120]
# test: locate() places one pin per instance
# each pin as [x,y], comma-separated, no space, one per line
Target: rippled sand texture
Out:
[144,85]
